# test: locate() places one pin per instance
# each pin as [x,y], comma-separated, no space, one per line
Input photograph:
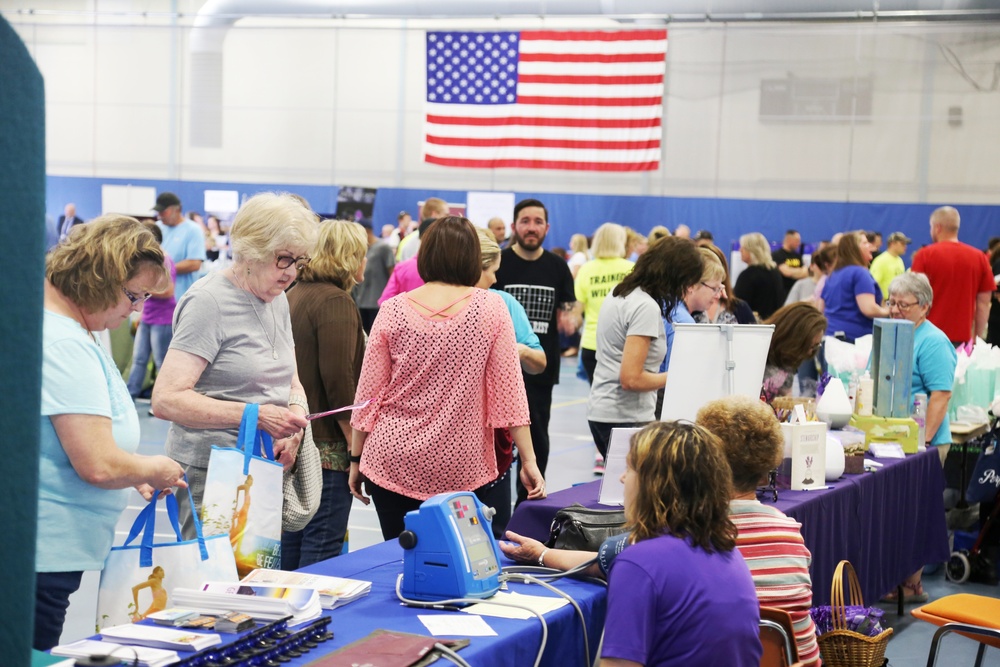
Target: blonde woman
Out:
[232,345]
[594,283]
[760,284]
[578,253]
[103,271]
[329,349]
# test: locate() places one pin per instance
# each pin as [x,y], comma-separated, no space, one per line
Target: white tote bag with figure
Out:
[138,579]
[243,497]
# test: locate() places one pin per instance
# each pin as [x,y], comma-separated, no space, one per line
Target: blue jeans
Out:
[52,591]
[323,536]
[153,338]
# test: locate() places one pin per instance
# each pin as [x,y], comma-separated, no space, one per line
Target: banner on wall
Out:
[545,99]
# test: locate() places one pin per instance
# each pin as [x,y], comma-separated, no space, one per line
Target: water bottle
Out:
[920,416]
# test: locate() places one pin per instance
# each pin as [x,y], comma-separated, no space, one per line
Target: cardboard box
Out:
[889,429]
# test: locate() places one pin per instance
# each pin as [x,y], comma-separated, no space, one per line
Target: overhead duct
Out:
[216,17]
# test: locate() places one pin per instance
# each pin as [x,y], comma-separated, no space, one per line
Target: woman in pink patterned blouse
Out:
[442,371]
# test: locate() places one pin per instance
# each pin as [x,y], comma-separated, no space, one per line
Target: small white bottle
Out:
[865,395]
[852,391]
[920,416]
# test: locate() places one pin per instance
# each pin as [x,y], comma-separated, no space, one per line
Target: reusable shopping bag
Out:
[138,579]
[984,485]
[243,497]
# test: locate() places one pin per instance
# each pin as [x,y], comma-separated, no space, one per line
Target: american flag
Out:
[545,99]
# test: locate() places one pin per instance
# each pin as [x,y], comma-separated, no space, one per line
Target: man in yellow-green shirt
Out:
[889,264]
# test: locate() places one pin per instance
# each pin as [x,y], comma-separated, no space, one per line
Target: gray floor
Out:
[571,462]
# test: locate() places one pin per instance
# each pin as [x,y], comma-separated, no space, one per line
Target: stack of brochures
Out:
[146,657]
[260,601]
[135,634]
[333,591]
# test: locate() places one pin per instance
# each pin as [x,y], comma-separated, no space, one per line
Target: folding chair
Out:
[778,639]
[974,616]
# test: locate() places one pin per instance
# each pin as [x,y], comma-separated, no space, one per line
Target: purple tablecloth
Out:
[888,523]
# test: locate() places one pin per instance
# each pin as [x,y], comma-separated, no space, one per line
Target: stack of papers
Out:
[147,657]
[154,636]
[264,602]
[333,591]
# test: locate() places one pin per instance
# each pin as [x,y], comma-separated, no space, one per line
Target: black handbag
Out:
[582,529]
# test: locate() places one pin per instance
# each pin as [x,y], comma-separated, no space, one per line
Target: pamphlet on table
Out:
[333,591]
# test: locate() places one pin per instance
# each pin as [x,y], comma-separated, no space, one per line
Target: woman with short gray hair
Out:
[232,344]
[934,361]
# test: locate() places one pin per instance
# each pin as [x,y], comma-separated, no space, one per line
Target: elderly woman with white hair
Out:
[934,360]
[232,344]
[760,284]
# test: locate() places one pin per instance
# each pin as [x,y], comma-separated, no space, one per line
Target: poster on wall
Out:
[483,206]
[134,200]
[355,203]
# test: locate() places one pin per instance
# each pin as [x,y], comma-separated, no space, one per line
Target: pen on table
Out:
[819,488]
[439,607]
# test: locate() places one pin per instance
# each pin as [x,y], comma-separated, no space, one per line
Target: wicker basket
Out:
[841,647]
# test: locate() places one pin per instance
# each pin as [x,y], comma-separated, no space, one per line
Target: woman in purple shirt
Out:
[851,298]
[155,325]
[680,594]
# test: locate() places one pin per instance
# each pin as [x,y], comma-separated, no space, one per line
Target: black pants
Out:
[540,410]
[589,359]
[602,433]
[52,591]
[367,318]
[392,507]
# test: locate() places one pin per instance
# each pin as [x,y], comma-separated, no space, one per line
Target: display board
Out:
[699,362]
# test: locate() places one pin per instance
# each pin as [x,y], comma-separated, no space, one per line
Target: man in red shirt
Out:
[961,279]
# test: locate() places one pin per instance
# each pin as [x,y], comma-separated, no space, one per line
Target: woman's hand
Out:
[164,473]
[355,480]
[532,479]
[520,548]
[280,422]
[286,450]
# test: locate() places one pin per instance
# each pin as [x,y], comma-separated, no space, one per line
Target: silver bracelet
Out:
[541,557]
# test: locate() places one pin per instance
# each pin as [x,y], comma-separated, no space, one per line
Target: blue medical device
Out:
[449,549]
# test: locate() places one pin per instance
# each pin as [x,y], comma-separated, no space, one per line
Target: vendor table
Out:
[517,641]
[887,523]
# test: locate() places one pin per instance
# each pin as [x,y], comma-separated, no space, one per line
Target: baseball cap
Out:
[165,200]
[704,234]
[900,236]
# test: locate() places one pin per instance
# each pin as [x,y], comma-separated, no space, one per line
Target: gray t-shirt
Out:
[634,315]
[215,320]
[380,262]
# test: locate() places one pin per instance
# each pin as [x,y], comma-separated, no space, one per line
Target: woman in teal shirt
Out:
[934,360]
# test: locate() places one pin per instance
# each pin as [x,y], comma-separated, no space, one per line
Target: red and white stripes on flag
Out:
[545,99]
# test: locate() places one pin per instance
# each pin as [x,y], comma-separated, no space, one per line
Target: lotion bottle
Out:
[865,396]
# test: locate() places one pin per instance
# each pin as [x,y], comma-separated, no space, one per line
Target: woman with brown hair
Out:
[729,309]
[442,372]
[329,348]
[680,586]
[851,298]
[798,333]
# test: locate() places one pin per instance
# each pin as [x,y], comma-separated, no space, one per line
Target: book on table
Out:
[146,656]
[333,591]
[269,603]
[139,634]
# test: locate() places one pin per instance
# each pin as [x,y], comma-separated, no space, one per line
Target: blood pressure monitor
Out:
[449,549]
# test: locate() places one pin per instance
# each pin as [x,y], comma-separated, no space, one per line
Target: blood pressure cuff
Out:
[610,548]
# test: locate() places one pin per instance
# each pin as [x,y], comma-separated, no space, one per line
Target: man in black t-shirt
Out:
[543,284]
[789,260]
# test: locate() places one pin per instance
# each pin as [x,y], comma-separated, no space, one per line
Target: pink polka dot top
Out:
[438,387]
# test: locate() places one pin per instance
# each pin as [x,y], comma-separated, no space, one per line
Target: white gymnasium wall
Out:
[331,102]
